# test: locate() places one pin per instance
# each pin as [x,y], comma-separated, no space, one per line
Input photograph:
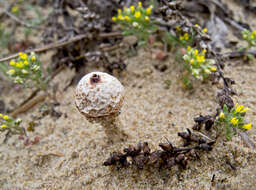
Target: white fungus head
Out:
[99,94]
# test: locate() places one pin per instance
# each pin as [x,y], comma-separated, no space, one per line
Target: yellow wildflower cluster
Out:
[136,21]
[8,123]
[133,14]
[233,118]
[15,9]
[4,119]
[250,37]
[198,64]
[184,37]
[25,67]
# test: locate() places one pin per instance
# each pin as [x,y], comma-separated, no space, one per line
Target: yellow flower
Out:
[11,72]
[178,28]
[247,126]
[234,121]
[205,30]
[137,14]
[196,25]
[254,32]
[196,52]
[181,37]
[200,59]
[186,36]
[15,9]
[213,69]
[6,117]
[119,11]
[1,115]
[12,63]
[204,51]
[252,35]
[146,18]
[139,4]
[127,18]
[26,62]
[148,11]
[19,65]
[120,17]
[3,126]
[239,108]
[244,110]
[23,55]
[222,115]
[113,18]
[132,8]
[188,48]
[192,61]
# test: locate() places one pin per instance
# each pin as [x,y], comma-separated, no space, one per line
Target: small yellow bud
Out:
[181,38]
[244,110]
[11,72]
[222,115]
[178,28]
[192,61]
[26,62]
[1,115]
[33,58]
[186,36]
[204,51]
[139,4]
[213,69]
[3,126]
[15,9]
[127,18]
[23,55]
[188,48]
[113,18]
[19,65]
[148,11]
[137,14]
[132,8]
[146,18]
[12,63]
[247,126]
[119,11]
[254,32]
[196,25]
[205,30]
[120,17]
[234,121]
[239,108]
[196,52]
[6,117]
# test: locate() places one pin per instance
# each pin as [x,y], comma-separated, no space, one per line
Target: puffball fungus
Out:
[99,94]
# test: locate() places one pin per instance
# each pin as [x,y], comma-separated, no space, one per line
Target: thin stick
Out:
[60,43]
[29,105]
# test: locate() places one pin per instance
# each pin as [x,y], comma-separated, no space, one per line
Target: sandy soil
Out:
[71,150]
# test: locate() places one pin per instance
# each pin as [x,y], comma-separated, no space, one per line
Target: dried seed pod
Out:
[99,94]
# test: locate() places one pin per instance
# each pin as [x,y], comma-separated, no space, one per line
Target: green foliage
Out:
[232,119]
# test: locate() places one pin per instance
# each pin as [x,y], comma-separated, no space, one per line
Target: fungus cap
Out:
[99,94]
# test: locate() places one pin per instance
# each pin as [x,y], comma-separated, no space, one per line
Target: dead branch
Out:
[60,43]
